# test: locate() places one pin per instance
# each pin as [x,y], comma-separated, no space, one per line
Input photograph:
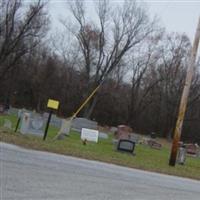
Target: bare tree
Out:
[104,43]
[169,72]
[143,61]
[20,31]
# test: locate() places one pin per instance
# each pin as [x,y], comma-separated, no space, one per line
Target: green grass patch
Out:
[11,118]
[145,158]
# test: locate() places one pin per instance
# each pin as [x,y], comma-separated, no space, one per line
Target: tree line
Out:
[141,67]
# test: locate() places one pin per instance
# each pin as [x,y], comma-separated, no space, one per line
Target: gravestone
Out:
[20,113]
[154,145]
[65,128]
[126,145]
[13,111]
[144,140]
[55,121]
[89,135]
[45,115]
[25,123]
[7,124]
[32,123]
[135,138]
[192,149]
[123,132]
[36,125]
[79,123]
[198,152]
[113,129]
[181,157]
[103,135]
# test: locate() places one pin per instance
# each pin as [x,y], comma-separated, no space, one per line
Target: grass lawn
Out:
[145,158]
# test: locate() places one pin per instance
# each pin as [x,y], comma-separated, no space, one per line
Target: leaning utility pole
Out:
[184,98]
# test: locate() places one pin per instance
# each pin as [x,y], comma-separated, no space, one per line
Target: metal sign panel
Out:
[53,104]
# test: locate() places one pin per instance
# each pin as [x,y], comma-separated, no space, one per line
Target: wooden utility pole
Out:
[184,98]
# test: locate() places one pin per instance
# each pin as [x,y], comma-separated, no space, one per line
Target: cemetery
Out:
[84,138]
[99,99]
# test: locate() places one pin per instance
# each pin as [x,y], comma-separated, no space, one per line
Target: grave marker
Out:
[126,145]
[89,135]
[7,124]
[25,123]
[36,125]
[65,127]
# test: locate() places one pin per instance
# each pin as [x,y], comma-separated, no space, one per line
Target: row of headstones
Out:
[34,123]
[55,121]
[77,123]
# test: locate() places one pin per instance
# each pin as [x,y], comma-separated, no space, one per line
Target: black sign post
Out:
[47,125]
[17,125]
[53,105]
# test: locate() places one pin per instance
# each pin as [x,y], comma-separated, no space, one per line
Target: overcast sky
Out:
[175,15]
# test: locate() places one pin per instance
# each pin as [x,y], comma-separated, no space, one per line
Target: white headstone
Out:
[25,123]
[89,135]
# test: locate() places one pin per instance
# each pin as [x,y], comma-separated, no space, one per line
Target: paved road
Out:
[27,175]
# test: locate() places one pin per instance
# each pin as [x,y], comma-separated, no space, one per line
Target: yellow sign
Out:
[53,104]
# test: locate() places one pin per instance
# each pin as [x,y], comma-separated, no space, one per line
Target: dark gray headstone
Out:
[79,123]
[126,145]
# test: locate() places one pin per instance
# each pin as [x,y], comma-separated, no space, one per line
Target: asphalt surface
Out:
[27,175]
